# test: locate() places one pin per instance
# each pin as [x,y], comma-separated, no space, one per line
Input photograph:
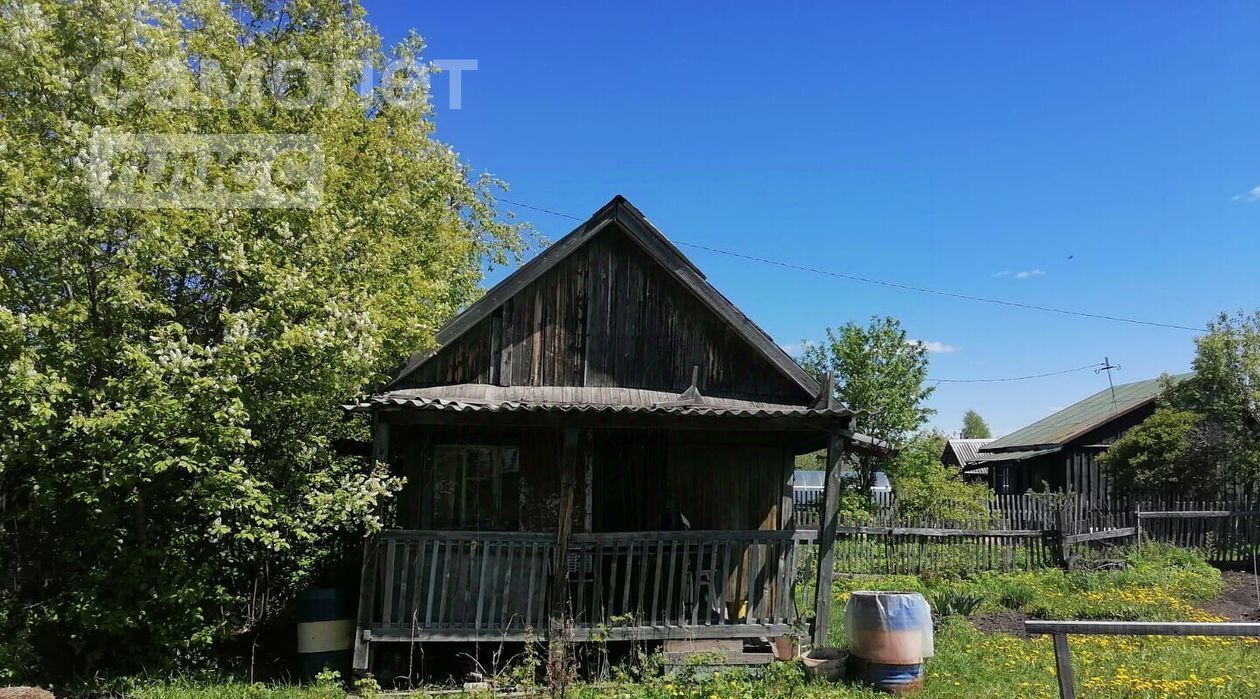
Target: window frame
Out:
[462,512]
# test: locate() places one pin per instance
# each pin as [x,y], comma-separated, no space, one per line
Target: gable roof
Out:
[1083,417]
[966,450]
[620,213]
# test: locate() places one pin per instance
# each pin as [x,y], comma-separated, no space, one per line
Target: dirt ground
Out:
[1008,622]
[1238,602]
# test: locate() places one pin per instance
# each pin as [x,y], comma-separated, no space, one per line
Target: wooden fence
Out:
[1022,532]
[1227,533]
[911,549]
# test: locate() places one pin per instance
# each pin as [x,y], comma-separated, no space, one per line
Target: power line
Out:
[1020,378]
[896,285]
[539,208]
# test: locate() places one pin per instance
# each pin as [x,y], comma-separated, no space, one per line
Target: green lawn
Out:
[1161,584]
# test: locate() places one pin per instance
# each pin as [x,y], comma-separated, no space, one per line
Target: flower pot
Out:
[825,663]
[786,647]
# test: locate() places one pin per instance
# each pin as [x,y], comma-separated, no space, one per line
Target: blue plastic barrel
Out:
[325,632]
[893,679]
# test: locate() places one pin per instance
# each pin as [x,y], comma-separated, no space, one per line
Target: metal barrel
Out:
[325,632]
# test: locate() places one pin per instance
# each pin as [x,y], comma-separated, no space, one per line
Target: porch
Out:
[650,585]
[643,519]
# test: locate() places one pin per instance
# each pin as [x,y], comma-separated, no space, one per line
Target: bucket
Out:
[824,663]
[891,628]
[325,632]
[887,677]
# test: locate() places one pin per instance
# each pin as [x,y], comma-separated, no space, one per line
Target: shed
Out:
[602,444]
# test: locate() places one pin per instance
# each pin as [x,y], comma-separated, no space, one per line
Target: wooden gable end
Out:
[608,314]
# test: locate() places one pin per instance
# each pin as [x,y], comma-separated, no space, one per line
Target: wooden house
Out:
[1060,452]
[602,439]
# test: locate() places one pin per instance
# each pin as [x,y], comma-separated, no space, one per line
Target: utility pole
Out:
[1107,366]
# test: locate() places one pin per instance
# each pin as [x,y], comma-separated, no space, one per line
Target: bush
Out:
[1016,595]
[928,491]
[953,601]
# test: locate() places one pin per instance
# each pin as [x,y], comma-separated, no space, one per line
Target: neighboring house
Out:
[601,436]
[1060,452]
[960,452]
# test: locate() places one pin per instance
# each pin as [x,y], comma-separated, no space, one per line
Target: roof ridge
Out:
[1047,431]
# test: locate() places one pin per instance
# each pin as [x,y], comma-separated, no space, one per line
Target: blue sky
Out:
[1104,150]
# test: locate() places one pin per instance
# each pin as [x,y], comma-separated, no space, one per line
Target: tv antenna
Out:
[1107,366]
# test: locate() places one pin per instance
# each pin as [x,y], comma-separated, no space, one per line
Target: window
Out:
[1002,482]
[476,487]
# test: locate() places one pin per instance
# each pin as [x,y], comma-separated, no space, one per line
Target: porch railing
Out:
[457,584]
[442,585]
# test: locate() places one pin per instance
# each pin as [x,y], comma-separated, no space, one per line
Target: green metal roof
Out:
[980,465]
[1073,421]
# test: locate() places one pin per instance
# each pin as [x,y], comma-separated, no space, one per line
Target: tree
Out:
[1205,437]
[929,491]
[974,426]
[1152,457]
[879,372]
[169,377]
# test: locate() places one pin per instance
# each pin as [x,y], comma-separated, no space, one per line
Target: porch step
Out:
[713,653]
[720,658]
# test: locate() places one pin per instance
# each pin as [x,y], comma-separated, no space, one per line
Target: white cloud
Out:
[1020,275]
[934,346]
[1249,196]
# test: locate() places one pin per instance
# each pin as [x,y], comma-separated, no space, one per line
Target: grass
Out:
[1162,583]
[230,689]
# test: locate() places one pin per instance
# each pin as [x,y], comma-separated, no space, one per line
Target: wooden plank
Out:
[668,611]
[417,582]
[629,575]
[1100,536]
[1063,667]
[568,484]
[404,582]
[1195,514]
[1142,628]
[438,546]
[533,561]
[750,615]
[367,594]
[387,604]
[656,587]
[502,566]
[445,612]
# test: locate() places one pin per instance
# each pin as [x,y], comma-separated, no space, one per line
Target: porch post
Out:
[827,539]
[367,578]
[568,486]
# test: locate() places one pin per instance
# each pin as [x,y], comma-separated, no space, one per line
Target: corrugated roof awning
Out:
[1005,458]
[485,398]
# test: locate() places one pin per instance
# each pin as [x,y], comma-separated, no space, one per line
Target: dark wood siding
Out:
[1084,474]
[715,484]
[729,484]
[607,315]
